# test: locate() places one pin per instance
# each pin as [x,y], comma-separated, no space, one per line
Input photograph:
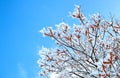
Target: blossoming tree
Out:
[88,50]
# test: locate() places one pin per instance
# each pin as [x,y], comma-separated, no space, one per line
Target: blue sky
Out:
[20,21]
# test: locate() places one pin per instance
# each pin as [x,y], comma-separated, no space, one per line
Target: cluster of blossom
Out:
[88,50]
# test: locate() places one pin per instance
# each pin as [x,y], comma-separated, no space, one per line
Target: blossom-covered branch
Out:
[88,50]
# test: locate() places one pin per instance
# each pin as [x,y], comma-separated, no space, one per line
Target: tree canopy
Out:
[90,49]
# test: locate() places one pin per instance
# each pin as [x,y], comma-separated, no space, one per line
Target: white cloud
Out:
[22,71]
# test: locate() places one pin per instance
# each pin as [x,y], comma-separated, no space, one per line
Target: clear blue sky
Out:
[20,21]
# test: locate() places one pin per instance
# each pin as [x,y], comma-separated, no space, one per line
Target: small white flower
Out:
[42,30]
[62,26]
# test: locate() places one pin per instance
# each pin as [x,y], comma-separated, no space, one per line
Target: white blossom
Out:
[62,26]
